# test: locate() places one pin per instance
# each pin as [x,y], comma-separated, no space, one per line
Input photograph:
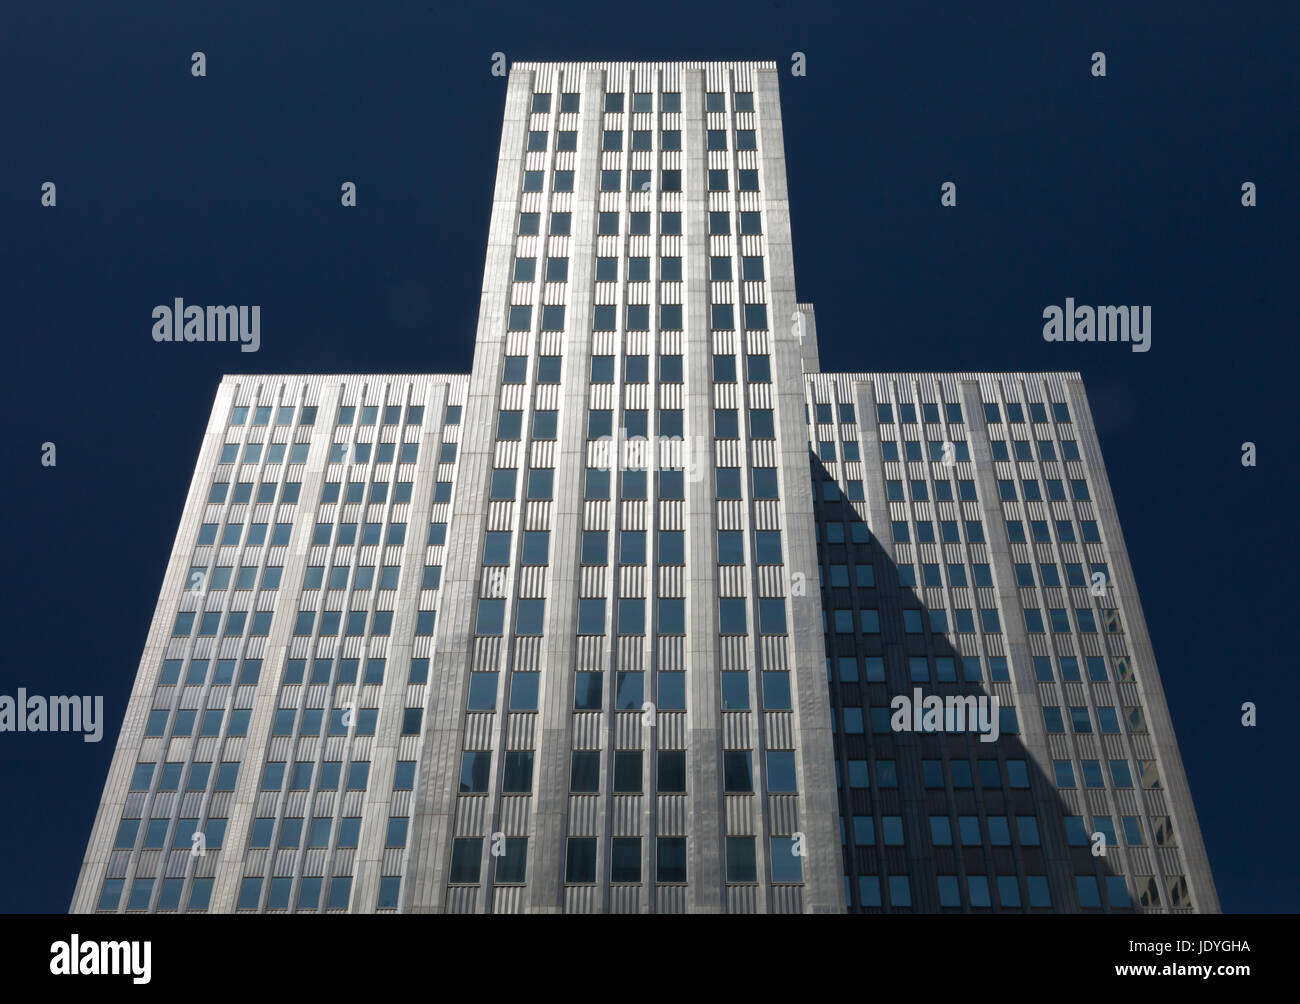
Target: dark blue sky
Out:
[226,190]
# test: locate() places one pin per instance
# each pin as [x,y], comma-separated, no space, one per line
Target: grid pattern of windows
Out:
[336,614]
[640,450]
[907,508]
[555,623]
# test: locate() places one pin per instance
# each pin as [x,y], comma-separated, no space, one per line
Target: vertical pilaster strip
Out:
[823,872]
[434,820]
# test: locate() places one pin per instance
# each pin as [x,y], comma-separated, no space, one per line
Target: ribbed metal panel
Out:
[673,811]
[625,899]
[742,899]
[733,653]
[590,652]
[628,653]
[628,726]
[462,898]
[779,729]
[509,898]
[774,652]
[625,815]
[528,654]
[767,515]
[771,580]
[731,580]
[582,899]
[670,899]
[672,580]
[783,813]
[532,581]
[584,815]
[741,812]
[478,730]
[591,580]
[735,730]
[731,515]
[471,814]
[586,730]
[786,899]
[520,728]
[487,654]
[671,728]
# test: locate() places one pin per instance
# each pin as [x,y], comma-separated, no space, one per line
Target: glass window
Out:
[731,616]
[588,692]
[580,861]
[742,865]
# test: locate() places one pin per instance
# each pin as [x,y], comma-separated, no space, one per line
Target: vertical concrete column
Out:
[823,867]
[433,822]
[705,865]
[547,847]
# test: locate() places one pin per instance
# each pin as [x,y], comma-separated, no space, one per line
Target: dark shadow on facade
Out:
[912,778]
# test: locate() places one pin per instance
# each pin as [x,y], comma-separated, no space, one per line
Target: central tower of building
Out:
[637,397]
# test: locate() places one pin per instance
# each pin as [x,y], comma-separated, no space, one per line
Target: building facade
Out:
[614,623]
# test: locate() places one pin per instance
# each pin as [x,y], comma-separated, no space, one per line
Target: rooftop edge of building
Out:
[1071,375]
[616,64]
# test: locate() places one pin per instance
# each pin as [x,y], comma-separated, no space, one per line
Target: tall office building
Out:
[614,623]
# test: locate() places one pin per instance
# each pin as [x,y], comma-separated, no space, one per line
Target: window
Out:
[731,616]
[597,484]
[591,616]
[529,617]
[540,484]
[671,771]
[631,616]
[627,771]
[466,860]
[672,616]
[588,694]
[671,859]
[728,482]
[742,865]
[781,771]
[625,859]
[776,691]
[595,547]
[584,772]
[771,616]
[523,691]
[474,772]
[580,861]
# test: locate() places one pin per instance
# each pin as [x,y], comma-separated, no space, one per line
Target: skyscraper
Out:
[614,623]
